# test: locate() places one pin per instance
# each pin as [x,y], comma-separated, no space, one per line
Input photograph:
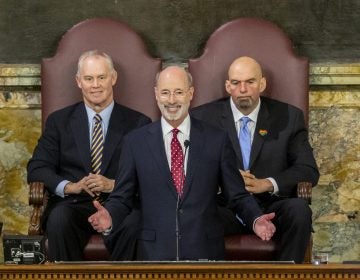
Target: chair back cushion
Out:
[136,68]
[286,73]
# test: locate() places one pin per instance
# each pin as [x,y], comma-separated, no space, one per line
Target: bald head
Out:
[247,64]
[245,83]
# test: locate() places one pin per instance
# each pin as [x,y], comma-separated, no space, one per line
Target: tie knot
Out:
[245,120]
[97,118]
[175,132]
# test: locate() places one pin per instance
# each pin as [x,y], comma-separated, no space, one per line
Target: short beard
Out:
[243,103]
[174,117]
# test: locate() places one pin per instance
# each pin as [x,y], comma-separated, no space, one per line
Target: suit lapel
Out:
[195,150]
[157,147]
[228,125]
[263,124]
[80,130]
[114,135]
[82,140]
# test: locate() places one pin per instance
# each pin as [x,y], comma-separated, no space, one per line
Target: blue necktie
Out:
[245,141]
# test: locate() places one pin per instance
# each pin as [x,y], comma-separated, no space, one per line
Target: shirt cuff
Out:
[255,223]
[275,185]
[107,232]
[60,188]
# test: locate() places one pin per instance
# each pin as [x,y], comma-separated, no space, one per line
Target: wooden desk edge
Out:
[182,268]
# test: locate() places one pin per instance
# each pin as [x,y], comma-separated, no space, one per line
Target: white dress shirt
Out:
[183,135]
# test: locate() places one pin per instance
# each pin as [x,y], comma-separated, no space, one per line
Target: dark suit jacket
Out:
[144,171]
[280,147]
[63,150]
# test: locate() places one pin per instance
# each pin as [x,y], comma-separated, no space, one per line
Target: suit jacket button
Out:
[181,211]
[75,200]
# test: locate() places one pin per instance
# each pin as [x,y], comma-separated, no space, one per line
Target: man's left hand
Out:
[97,183]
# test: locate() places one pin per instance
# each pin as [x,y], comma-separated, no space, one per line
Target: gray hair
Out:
[87,54]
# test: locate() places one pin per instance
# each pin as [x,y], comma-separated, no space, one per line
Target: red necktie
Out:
[177,162]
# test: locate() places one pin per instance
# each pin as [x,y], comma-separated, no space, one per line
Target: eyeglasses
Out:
[177,94]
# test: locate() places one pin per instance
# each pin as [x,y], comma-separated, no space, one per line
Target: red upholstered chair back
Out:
[287,74]
[136,68]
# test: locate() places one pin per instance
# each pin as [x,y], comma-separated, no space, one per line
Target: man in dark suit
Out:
[175,166]
[273,157]
[77,156]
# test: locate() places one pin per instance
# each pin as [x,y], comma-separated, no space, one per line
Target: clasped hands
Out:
[93,184]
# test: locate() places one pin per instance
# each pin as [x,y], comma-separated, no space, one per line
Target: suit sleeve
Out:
[234,190]
[301,161]
[121,200]
[44,162]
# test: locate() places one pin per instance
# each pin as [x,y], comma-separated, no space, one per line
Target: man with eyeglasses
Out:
[175,166]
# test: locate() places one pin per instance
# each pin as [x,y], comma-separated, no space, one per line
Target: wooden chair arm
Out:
[37,200]
[304,190]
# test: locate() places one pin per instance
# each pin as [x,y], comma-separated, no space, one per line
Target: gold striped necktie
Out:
[97,145]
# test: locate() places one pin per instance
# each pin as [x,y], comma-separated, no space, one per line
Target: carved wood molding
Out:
[210,270]
[334,74]
[334,85]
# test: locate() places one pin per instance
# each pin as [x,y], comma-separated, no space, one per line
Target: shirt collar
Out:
[184,127]
[105,114]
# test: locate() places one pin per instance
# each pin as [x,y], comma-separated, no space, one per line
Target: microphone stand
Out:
[177,228]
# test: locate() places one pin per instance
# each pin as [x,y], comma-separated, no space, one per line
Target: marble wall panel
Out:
[333,129]
[335,135]
[20,121]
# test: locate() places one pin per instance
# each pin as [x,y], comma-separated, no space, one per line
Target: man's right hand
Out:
[94,184]
[255,185]
[101,220]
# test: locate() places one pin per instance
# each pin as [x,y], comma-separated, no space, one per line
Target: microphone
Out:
[186,145]
[177,229]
